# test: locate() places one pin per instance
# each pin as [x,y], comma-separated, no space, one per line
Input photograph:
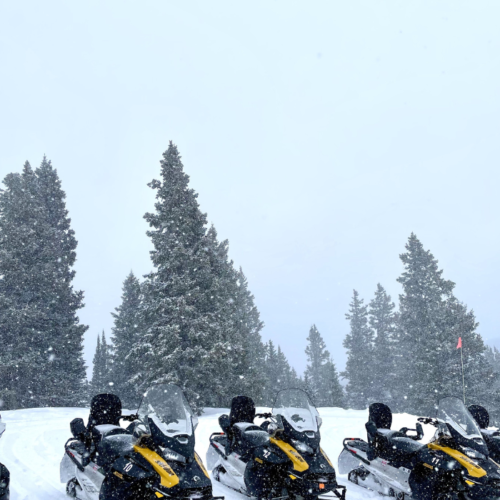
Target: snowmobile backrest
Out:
[104,409]
[224,423]
[480,415]
[78,428]
[381,415]
[242,410]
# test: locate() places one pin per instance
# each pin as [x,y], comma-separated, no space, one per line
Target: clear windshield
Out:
[453,412]
[295,406]
[168,408]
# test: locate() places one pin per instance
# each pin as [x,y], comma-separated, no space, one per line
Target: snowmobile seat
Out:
[404,445]
[481,416]
[104,409]
[113,446]
[102,432]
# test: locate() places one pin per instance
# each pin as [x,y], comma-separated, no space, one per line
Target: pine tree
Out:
[317,357]
[421,319]
[41,363]
[100,382]
[334,392]
[431,320]
[249,376]
[126,333]
[191,334]
[384,363]
[359,345]
[272,373]
[279,375]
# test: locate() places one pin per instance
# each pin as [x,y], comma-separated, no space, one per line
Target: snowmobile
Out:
[491,436]
[453,466]
[4,472]
[281,458]
[152,458]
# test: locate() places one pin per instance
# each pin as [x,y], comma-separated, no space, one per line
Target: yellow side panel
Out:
[299,464]
[200,463]
[473,469]
[167,475]
[326,456]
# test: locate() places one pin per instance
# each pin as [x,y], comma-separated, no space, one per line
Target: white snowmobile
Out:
[453,466]
[4,472]
[281,458]
[153,458]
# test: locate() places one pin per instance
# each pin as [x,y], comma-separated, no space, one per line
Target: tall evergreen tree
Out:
[317,357]
[41,363]
[272,372]
[431,320]
[279,375]
[126,333]
[359,345]
[384,363]
[101,369]
[333,387]
[191,333]
[250,376]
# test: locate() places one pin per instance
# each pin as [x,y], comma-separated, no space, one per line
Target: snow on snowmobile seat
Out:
[242,410]
[104,409]
[109,449]
[480,415]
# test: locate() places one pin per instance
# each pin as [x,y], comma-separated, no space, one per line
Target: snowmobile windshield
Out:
[168,408]
[295,406]
[454,412]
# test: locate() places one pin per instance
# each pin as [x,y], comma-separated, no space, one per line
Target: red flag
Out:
[459,345]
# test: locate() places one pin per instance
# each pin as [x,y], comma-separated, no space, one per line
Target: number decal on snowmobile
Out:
[266,453]
[128,467]
[299,464]
[473,469]
[167,475]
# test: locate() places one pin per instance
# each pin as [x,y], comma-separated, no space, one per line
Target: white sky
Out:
[318,135]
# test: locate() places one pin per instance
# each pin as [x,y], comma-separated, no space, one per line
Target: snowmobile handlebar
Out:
[429,420]
[263,415]
[130,418]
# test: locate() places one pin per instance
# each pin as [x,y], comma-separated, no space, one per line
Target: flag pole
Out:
[463,377]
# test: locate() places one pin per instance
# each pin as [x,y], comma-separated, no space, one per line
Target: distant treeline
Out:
[192,320]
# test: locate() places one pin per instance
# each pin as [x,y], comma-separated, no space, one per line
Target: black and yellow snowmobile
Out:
[152,458]
[280,458]
[454,466]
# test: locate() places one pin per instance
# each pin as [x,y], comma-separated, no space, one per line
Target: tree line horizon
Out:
[193,321]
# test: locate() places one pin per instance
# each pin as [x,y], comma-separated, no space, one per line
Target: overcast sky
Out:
[318,134]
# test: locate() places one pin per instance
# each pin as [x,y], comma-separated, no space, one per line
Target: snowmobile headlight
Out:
[303,447]
[473,453]
[169,454]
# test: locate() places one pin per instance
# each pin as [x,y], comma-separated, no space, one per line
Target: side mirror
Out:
[78,428]
[420,431]
[224,422]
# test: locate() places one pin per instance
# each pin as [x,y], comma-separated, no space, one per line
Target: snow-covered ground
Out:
[32,446]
